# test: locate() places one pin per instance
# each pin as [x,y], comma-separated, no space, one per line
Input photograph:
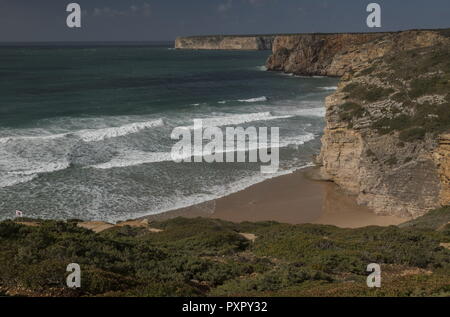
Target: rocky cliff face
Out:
[335,54]
[313,54]
[387,126]
[387,135]
[442,160]
[225,42]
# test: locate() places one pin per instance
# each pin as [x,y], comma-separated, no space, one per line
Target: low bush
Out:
[209,257]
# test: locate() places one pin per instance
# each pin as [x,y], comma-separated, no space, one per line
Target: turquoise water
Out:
[85,131]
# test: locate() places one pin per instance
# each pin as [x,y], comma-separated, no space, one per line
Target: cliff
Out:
[387,137]
[225,42]
[335,54]
[387,126]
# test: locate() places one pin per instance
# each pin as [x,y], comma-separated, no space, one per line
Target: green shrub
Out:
[208,257]
[367,92]
[429,86]
[412,134]
[350,111]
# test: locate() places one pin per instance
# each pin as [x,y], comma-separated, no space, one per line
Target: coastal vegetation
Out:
[350,110]
[367,93]
[415,87]
[206,257]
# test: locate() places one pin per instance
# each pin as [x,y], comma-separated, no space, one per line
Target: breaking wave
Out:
[134,158]
[114,132]
[257,99]
[237,119]
[93,135]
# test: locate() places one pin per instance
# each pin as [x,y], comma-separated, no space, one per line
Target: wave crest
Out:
[237,119]
[114,132]
[257,99]
[134,158]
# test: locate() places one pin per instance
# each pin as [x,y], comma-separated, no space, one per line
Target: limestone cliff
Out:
[387,135]
[225,42]
[442,159]
[335,54]
[313,54]
[387,128]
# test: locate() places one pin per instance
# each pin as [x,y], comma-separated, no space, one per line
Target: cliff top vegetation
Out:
[411,87]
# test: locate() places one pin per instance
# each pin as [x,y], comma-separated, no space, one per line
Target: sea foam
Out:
[256,99]
[96,135]
[28,173]
[237,119]
[15,168]
[91,135]
[134,158]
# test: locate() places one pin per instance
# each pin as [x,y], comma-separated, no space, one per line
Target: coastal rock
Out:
[336,54]
[387,126]
[316,54]
[386,138]
[442,159]
[224,42]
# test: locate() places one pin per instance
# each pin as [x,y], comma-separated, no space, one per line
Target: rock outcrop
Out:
[314,54]
[442,159]
[226,42]
[387,129]
[335,54]
[387,135]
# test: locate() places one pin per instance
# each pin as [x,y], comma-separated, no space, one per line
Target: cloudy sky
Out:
[153,20]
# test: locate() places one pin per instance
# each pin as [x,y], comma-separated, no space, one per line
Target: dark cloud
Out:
[146,20]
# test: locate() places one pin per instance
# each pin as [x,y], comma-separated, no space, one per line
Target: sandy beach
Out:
[293,199]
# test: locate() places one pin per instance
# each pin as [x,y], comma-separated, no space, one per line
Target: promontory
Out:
[387,134]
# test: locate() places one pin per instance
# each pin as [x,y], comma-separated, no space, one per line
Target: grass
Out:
[205,257]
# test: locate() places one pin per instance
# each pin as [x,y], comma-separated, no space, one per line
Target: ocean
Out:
[85,129]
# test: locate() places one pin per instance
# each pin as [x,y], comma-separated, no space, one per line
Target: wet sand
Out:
[293,199]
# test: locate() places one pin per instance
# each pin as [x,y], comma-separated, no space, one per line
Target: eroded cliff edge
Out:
[226,42]
[387,135]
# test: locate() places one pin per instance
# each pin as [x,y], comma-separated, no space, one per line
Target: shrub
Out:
[429,86]
[351,110]
[412,134]
[180,261]
[367,93]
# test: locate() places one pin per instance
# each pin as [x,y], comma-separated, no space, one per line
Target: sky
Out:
[164,20]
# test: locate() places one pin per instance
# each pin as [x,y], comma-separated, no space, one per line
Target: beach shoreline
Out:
[294,198]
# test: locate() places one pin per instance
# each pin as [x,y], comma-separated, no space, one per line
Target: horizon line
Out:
[216,34]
